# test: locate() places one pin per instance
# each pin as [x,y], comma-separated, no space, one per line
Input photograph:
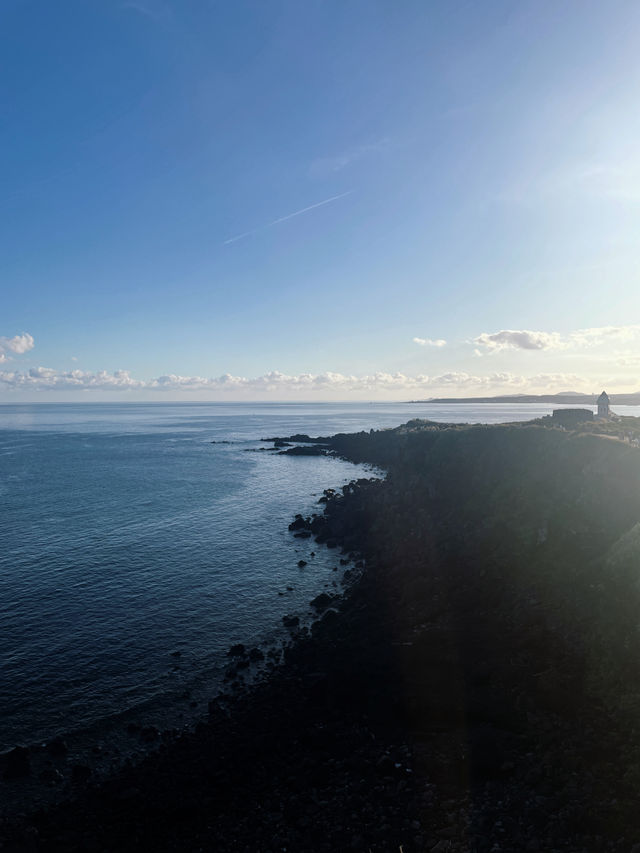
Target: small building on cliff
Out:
[571,417]
[603,406]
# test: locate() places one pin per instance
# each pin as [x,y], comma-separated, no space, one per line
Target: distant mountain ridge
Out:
[570,397]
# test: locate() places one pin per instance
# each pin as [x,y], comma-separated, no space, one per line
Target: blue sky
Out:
[428,198]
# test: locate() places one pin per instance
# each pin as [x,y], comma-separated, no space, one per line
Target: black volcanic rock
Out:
[302,450]
[80,774]
[57,747]
[298,438]
[322,601]
[17,763]
[280,442]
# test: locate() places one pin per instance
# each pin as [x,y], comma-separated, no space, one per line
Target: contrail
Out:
[288,216]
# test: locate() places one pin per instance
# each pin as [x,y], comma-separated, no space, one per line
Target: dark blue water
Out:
[126,535]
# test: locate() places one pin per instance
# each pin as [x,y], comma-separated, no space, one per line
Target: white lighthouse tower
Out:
[603,405]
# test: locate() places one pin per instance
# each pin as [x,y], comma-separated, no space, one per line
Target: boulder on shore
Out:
[322,601]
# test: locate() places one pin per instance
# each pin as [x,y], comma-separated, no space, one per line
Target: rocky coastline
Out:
[473,689]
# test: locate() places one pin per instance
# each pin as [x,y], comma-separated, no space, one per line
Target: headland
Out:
[567,398]
[474,689]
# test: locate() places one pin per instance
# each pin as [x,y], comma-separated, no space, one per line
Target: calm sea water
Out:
[127,536]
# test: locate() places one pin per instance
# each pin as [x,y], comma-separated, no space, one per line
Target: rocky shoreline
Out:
[473,690]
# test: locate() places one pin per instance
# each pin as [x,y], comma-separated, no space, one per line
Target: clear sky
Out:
[318,199]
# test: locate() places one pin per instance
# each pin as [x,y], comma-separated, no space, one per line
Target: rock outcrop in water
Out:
[477,689]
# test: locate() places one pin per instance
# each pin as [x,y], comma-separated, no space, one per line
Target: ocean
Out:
[134,551]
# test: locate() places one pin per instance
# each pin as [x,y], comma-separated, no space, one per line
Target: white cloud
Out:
[579,339]
[276,384]
[604,335]
[613,179]
[628,361]
[18,344]
[156,10]
[46,378]
[326,166]
[429,342]
[520,339]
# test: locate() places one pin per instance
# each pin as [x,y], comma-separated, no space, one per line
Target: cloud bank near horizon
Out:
[275,382]
[380,384]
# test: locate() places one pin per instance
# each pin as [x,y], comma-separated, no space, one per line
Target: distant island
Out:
[569,397]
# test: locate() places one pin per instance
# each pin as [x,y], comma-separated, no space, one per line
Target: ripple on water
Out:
[120,549]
